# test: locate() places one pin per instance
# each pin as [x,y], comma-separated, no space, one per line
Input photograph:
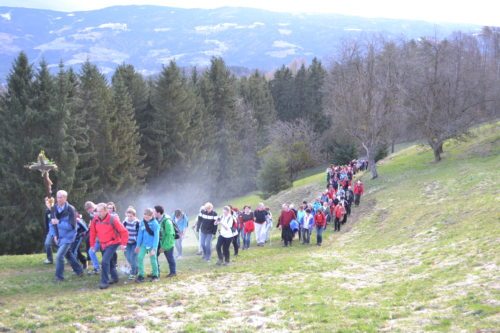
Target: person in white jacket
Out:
[226,234]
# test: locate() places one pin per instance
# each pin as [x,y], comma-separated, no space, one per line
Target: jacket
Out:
[66,228]
[182,222]
[320,219]
[167,233]
[206,222]
[285,218]
[108,234]
[358,189]
[339,211]
[144,239]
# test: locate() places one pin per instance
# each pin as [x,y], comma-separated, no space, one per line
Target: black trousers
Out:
[222,247]
[348,208]
[236,244]
[344,219]
[287,235]
[337,224]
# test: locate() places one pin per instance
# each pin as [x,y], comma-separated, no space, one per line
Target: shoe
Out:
[226,263]
[154,279]
[114,281]
[219,262]
[139,279]
[131,277]
[81,274]
[48,262]
[103,286]
[58,280]
[84,265]
[178,257]
[171,275]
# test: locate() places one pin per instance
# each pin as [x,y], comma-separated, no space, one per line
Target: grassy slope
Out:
[420,254]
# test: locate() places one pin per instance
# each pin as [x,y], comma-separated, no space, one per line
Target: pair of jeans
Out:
[169,254]
[178,246]
[75,248]
[223,248]
[306,236]
[49,240]
[131,258]
[143,251]
[246,239]
[206,244]
[93,255]
[108,264]
[64,252]
[319,234]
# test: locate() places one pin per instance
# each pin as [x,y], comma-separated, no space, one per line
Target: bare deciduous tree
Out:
[361,93]
[442,88]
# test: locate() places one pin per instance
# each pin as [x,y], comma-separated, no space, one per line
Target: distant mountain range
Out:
[149,36]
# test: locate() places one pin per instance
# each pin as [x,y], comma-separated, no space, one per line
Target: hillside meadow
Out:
[421,254]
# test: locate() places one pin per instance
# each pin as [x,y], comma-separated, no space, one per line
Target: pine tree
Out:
[219,92]
[79,123]
[282,91]
[126,172]
[166,135]
[314,112]
[300,95]
[256,94]
[93,106]
[21,191]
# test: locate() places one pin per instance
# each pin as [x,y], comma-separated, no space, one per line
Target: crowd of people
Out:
[157,232]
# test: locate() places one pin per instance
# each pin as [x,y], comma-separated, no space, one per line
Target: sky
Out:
[482,12]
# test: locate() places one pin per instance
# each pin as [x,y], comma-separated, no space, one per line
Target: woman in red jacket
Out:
[320,223]
[358,192]
[111,234]
[286,216]
[339,214]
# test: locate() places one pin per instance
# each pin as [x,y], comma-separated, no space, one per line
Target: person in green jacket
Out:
[167,238]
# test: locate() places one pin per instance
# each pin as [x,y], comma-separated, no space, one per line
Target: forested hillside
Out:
[186,136]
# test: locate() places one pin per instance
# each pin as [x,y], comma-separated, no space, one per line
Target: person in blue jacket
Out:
[182,221]
[64,217]
[148,239]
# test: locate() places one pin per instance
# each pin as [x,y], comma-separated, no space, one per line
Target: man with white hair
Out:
[64,217]
[260,215]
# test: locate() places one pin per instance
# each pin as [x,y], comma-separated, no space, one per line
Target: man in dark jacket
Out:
[206,224]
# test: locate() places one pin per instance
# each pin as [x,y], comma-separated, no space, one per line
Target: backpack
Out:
[176,229]
[177,232]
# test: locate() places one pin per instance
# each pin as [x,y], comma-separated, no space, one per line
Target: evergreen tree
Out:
[21,191]
[256,94]
[85,181]
[282,91]
[94,106]
[166,135]
[273,177]
[126,172]
[300,95]
[314,113]
[219,92]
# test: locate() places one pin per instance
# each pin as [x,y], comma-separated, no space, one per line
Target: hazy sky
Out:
[483,12]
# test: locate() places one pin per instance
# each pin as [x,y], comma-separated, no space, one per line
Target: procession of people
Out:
[157,232]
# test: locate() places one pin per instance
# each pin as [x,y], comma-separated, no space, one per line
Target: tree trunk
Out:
[440,147]
[370,157]
[437,154]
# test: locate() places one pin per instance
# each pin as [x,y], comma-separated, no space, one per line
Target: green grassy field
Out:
[421,254]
